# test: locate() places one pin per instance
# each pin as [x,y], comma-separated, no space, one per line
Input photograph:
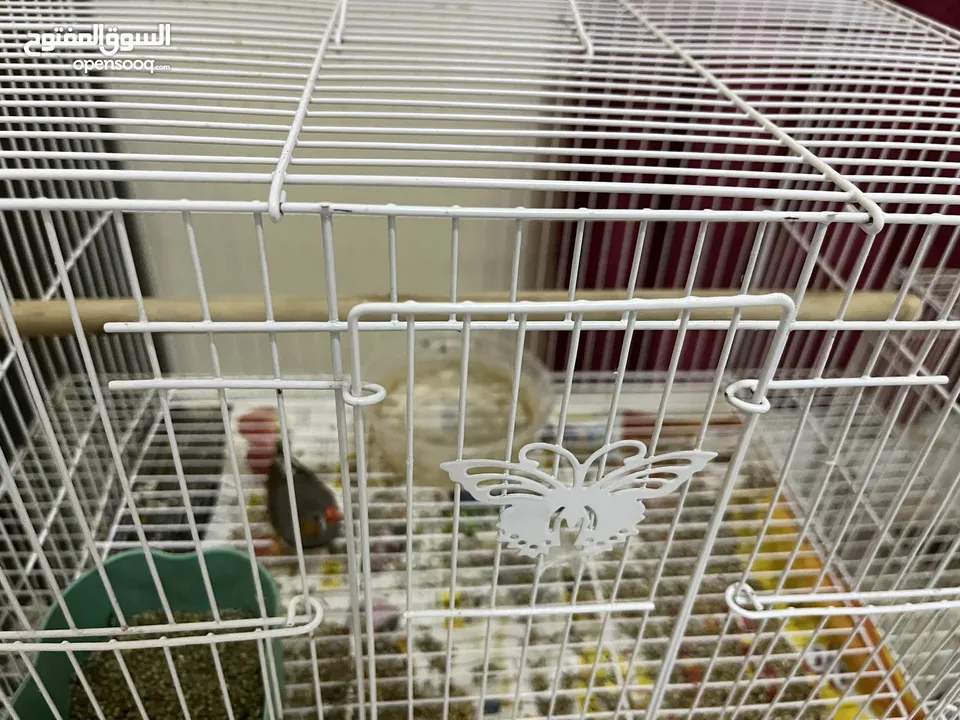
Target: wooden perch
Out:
[52,317]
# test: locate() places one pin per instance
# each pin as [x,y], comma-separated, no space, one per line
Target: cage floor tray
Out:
[724,659]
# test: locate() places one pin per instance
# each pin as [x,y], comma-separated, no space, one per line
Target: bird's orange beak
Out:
[333,515]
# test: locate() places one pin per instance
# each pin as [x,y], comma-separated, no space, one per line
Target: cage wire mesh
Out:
[678,280]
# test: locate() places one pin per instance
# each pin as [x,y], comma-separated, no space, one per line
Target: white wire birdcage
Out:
[678,280]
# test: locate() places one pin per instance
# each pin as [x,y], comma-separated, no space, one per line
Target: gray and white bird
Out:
[319,519]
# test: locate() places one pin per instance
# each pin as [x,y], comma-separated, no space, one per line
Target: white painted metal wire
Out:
[709,226]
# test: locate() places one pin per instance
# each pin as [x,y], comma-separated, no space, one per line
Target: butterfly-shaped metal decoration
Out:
[602,511]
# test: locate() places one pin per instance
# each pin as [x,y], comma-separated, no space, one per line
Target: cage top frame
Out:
[748,105]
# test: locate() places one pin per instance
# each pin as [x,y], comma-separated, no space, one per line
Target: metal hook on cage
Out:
[275,203]
[740,595]
[877,217]
[370,394]
[747,406]
[307,603]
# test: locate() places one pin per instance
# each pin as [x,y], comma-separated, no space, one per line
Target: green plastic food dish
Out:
[233,588]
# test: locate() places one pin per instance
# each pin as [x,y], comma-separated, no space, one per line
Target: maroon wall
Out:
[667,244]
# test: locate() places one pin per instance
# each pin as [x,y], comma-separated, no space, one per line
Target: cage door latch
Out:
[745,602]
[763,405]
